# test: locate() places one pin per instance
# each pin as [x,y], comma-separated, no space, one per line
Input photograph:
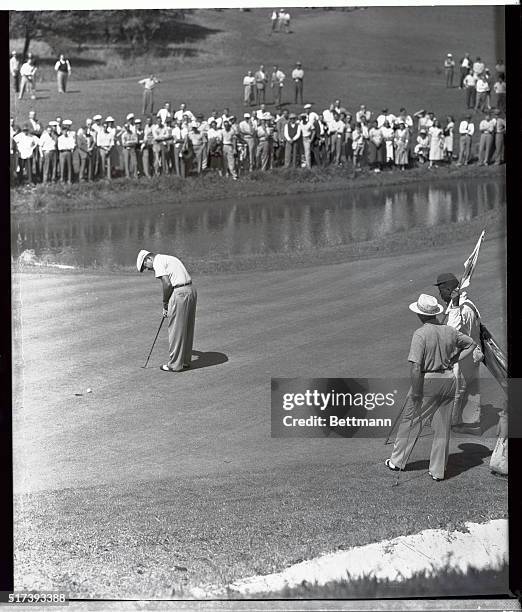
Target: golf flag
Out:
[471,262]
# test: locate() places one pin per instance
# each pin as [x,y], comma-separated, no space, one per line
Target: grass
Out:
[174,190]
[165,537]
[447,583]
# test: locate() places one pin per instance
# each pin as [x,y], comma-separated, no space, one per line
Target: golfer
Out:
[179,305]
[434,349]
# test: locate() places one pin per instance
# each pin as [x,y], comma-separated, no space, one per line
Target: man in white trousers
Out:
[179,305]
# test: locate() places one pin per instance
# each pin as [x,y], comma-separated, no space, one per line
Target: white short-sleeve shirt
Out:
[168,265]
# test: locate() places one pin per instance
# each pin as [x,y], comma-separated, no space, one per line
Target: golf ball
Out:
[89,390]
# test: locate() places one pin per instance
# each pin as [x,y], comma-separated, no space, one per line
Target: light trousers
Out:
[182,318]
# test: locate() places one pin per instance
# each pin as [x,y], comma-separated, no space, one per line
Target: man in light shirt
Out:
[466,131]
[105,144]
[129,142]
[261,79]
[48,152]
[63,72]
[247,134]
[482,88]
[478,67]
[470,89]
[465,66]
[66,145]
[28,76]
[147,154]
[277,81]
[179,305]
[14,69]
[385,116]
[311,114]
[149,83]
[487,139]
[336,130]
[308,134]
[164,113]
[297,78]
[182,111]
[363,114]
[160,134]
[449,70]
[500,133]
[499,87]
[26,144]
[249,82]
[229,149]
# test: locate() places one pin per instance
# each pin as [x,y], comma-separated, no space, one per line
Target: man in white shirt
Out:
[28,75]
[179,305]
[470,89]
[500,133]
[466,131]
[247,133]
[26,143]
[66,145]
[487,139]
[482,88]
[149,83]
[449,69]
[405,118]
[499,87]
[183,110]
[14,69]
[249,82]
[465,66]
[385,116]
[105,144]
[478,67]
[297,78]
[63,71]
[261,79]
[277,81]
[164,113]
[312,115]
[48,151]
[362,114]
[292,133]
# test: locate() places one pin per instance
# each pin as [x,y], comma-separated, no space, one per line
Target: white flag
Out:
[470,263]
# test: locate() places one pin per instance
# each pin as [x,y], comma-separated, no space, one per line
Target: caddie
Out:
[179,305]
[464,316]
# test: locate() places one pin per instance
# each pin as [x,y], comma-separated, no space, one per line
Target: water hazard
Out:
[226,229]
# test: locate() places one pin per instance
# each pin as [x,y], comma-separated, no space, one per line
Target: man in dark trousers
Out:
[179,305]
[434,350]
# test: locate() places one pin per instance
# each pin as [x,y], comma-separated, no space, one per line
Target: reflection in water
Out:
[256,226]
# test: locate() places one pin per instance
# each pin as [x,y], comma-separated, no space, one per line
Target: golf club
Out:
[152,347]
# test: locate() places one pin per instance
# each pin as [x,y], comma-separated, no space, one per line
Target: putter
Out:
[152,347]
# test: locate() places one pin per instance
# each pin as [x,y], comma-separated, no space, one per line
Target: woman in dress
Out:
[376,148]
[436,135]
[448,138]
[401,142]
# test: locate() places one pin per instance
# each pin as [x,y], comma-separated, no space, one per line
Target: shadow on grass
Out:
[76,61]
[207,359]
[471,455]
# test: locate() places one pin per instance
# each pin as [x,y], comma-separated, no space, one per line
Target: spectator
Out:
[48,145]
[229,149]
[63,72]
[85,143]
[336,131]
[164,113]
[386,116]
[105,144]
[388,135]
[466,131]
[363,113]
[478,67]
[422,148]
[292,133]
[376,148]
[66,146]
[248,88]
[358,143]
[449,70]
[499,87]
[285,18]
[277,83]
[403,116]
[500,68]
[149,83]
[247,135]
[500,132]
[274,20]
[197,140]
[215,148]
[147,152]
[297,77]
[482,88]
[261,79]
[14,69]
[129,142]
[487,139]
[401,142]
[182,111]
[436,136]
[470,89]
[26,144]
[263,152]
[448,138]
[28,76]
[465,67]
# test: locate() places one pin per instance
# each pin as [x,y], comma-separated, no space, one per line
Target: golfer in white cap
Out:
[434,350]
[179,305]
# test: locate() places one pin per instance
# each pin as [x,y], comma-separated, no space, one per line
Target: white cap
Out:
[53,123]
[130,116]
[307,106]
[246,115]
[66,122]
[109,118]
[96,117]
[139,261]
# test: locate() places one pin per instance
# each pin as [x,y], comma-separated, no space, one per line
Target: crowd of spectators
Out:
[183,143]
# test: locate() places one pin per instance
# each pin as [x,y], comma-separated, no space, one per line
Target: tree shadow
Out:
[471,455]
[76,61]
[206,359]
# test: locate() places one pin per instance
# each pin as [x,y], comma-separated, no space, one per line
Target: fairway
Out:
[148,444]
